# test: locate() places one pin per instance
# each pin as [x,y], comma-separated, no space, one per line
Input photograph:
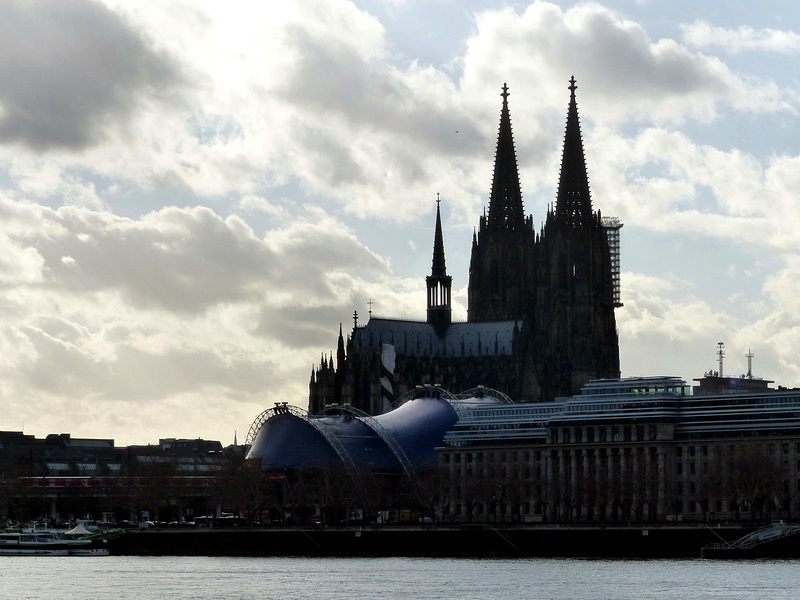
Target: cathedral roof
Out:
[505,205]
[418,338]
[573,201]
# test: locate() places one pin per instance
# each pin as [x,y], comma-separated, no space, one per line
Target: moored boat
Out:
[46,543]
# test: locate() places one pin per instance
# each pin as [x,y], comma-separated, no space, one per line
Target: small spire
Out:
[340,353]
[438,268]
[438,283]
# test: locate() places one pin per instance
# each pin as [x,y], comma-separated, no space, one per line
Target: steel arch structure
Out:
[387,438]
[284,408]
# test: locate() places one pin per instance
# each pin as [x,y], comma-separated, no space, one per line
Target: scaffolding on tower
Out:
[612,226]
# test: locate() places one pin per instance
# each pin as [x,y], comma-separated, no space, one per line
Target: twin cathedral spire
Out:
[558,286]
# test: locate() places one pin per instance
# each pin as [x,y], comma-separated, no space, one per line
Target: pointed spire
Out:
[340,354]
[438,283]
[438,268]
[573,202]
[505,205]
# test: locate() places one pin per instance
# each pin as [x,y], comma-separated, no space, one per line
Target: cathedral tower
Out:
[576,307]
[501,266]
[439,283]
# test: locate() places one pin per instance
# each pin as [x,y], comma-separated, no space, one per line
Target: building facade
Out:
[540,311]
[66,477]
[628,450]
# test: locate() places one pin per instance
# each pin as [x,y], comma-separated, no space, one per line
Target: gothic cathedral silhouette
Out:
[540,316]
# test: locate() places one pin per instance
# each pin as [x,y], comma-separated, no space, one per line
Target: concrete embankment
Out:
[474,541]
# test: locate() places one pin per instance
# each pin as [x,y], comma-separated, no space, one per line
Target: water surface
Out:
[159,578]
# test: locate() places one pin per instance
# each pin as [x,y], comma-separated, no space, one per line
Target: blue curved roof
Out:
[288,442]
[292,441]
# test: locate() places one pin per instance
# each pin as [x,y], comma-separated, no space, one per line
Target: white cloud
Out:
[239,98]
[665,181]
[629,74]
[199,120]
[180,304]
[701,34]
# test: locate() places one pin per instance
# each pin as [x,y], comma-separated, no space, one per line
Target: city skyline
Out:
[193,196]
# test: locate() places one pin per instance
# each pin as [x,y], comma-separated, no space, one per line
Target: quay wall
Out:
[606,542]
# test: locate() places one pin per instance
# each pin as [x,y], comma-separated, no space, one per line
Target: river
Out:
[196,578]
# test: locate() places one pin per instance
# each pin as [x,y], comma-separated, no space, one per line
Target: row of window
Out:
[613,433]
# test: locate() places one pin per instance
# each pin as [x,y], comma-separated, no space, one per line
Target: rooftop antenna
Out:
[749,356]
[370,306]
[721,353]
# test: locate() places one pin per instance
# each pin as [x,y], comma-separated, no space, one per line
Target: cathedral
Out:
[540,320]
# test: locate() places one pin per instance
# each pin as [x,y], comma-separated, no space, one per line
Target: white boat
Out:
[46,543]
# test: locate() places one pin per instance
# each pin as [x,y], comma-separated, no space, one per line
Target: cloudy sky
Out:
[193,195]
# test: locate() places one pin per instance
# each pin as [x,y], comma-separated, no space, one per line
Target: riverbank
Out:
[439,541]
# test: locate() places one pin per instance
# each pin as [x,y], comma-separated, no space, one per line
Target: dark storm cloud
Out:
[68,70]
